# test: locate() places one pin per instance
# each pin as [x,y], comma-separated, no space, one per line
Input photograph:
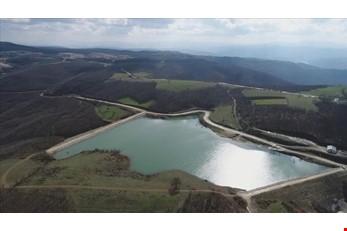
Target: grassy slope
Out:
[105,170]
[23,170]
[224,115]
[6,164]
[111,113]
[124,76]
[181,85]
[142,75]
[259,102]
[331,91]
[118,76]
[133,102]
[165,84]
[311,196]
[123,201]
[295,101]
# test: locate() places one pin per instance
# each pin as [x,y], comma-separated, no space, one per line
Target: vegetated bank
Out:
[324,194]
[100,181]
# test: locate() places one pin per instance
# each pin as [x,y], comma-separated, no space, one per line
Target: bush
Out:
[175,186]
[43,157]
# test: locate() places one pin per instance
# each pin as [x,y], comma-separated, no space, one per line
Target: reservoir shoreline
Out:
[89,134]
[156,145]
[207,123]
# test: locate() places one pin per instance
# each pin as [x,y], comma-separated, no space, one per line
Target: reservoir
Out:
[155,145]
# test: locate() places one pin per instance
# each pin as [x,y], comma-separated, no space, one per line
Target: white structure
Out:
[331,149]
[336,100]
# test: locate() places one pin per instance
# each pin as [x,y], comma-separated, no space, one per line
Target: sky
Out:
[159,33]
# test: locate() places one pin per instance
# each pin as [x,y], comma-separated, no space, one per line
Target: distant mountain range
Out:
[166,64]
[298,73]
[333,63]
[320,55]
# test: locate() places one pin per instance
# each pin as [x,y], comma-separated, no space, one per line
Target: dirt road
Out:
[119,189]
[273,145]
[3,180]
[247,195]
[282,184]
[86,135]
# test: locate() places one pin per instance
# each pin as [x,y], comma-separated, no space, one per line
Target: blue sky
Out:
[174,33]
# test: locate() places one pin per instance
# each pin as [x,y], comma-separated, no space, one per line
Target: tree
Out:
[175,186]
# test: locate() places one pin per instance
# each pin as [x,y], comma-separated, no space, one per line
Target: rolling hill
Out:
[51,67]
[298,73]
[177,65]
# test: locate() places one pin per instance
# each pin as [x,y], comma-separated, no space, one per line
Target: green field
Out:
[100,181]
[229,85]
[136,76]
[110,170]
[277,208]
[331,91]
[128,194]
[6,164]
[111,113]
[119,76]
[23,170]
[123,201]
[133,102]
[259,102]
[293,100]
[224,115]
[142,75]
[181,85]
[107,169]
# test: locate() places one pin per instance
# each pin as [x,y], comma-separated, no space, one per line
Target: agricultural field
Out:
[330,91]
[119,76]
[111,113]
[293,100]
[134,76]
[259,102]
[142,75]
[181,85]
[133,102]
[224,115]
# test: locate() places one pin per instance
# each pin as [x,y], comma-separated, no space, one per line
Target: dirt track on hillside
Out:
[273,145]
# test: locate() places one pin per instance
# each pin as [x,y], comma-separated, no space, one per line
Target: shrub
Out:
[175,186]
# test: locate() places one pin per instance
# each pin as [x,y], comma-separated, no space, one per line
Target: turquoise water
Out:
[155,145]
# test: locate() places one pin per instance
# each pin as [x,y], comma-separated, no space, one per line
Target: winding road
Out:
[282,184]
[141,112]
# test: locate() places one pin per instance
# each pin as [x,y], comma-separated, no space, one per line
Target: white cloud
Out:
[150,32]
[17,20]
[114,21]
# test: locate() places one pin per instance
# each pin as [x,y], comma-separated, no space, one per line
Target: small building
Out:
[331,149]
[336,100]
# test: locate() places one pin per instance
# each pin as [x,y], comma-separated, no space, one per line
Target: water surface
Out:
[155,145]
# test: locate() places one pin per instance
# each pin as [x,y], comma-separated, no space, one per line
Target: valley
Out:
[49,101]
